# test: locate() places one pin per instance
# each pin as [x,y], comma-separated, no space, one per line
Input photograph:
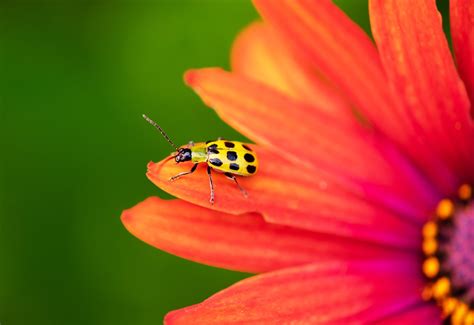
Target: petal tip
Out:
[172,317]
[178,316]
[194,77]
[130,216]
[127,218]
[168,318]
[190,77]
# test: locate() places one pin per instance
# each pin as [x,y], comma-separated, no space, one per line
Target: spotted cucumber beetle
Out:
[232,158]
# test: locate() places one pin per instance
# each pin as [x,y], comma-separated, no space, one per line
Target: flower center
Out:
[448,247]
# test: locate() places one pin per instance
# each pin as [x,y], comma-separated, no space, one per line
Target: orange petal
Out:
[262,113]
[331,44]
[291,195]
[321,293]
[311,137]
[419,65]
[259,54]
[462,31]
[239,242]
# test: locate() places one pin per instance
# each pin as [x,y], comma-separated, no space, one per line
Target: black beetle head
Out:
[184,154]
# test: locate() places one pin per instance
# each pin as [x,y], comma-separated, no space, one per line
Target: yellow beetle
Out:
[229,157]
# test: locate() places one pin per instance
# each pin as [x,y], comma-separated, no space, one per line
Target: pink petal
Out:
[425,313]
[321,293]
[239,242]
[419,65]
[462,31]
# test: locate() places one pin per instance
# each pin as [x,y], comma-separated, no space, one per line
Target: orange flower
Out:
[334,216]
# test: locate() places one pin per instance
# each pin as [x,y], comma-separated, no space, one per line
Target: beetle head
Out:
[184,154]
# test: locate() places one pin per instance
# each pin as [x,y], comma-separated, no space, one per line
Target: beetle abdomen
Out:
[232,156]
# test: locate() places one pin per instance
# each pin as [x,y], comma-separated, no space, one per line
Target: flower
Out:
[354,215]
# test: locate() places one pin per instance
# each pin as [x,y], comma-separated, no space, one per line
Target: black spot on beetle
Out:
[229,144]
[251,169]
[212,149]
[234,166]
[231,155]
[215,161]
[246,147]
[249,157]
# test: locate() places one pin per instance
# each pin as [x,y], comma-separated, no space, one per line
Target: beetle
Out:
[232,158]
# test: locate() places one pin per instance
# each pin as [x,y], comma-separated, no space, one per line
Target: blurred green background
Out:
[75,79]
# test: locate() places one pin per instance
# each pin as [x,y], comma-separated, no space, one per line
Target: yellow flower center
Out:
[448,265]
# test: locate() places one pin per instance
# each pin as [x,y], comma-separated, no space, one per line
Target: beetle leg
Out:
[211,185]
[175,177]
[233,178]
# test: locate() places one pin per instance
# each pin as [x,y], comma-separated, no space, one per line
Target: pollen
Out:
[459,313]
[441,288]
[430,245]
[448,260]
[449,306]
[465,192]
[430,229]
[445,209]
[431,267]
[469,319]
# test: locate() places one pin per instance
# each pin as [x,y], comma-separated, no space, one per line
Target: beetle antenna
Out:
[149,120]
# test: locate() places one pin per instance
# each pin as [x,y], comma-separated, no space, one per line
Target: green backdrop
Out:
[75,78]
